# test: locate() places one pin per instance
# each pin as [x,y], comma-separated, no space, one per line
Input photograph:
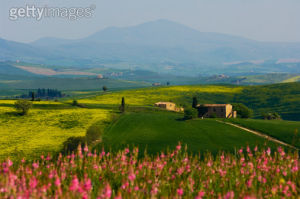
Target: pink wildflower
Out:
[74,184]
[86,148]
[180,191]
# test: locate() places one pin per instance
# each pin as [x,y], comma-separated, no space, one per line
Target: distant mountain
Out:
[7,69]
[161,46]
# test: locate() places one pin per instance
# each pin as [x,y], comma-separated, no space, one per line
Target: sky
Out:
[262,20]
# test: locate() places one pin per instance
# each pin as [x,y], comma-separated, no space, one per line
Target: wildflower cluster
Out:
[176,174]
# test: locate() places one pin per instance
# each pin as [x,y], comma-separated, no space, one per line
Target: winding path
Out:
[259,134]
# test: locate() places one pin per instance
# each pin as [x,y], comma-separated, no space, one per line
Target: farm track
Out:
[260,134]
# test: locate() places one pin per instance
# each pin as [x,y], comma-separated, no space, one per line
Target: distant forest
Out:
[43,93]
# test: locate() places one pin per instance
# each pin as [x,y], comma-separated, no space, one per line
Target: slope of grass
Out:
[161,130]
[292,79]
[44,129]
[148,96]
[281,98]
[287,131]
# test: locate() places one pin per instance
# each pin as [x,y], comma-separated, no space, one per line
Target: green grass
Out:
[287,131]
[49,124]
[281,98]
[160,130]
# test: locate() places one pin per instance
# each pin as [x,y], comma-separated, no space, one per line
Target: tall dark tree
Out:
[104,88]
[122,107]
[32,96]
[195,102]
[168,83]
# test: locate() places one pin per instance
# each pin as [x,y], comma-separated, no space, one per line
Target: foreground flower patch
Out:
[252,173]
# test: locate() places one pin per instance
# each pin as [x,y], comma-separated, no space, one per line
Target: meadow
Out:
[51,123]
[287,131]
[251,173]
[157,131]
[44,129]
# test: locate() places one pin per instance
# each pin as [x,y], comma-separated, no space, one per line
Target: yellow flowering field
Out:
[148,96]
[43,130]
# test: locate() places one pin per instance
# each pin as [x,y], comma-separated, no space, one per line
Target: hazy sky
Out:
[264,20]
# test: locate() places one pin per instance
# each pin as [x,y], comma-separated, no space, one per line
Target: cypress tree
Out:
[122,107]
[195,102]
[32,96]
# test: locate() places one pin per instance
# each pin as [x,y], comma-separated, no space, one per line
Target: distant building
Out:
[99,76]
[170,106]
[218,110]
[156,84]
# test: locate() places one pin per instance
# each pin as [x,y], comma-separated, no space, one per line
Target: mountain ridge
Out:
[160,46]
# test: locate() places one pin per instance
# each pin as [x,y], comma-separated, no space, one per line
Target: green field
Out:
[51,123]
[159,130]
[287,131]
[281,98]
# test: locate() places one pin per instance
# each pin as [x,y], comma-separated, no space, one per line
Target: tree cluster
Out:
[271,116]
[43,93]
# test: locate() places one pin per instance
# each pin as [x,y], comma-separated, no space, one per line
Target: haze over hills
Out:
[161,46]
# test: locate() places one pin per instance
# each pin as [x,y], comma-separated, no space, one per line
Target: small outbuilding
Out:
[170,106]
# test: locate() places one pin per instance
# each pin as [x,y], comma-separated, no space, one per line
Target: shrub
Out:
[213,115]
[242,110]
[93,133]
[271,116]
[190,113]
[23,106]
[75,103]
[71,144]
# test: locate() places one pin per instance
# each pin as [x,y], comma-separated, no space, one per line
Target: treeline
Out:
[43,93]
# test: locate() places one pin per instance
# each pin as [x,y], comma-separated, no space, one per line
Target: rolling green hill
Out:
[287,131]
[281,98]
[161,130]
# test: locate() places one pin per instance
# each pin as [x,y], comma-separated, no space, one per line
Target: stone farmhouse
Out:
[219,110]
[170,106]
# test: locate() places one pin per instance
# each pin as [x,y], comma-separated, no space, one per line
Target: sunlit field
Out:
[43,129]
[148,96]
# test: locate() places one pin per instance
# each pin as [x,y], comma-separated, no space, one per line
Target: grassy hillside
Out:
[281,98]
[270,78]
[179,94]
[287,131]
[49,124]
[44,129]
[161,130]
[293,79]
